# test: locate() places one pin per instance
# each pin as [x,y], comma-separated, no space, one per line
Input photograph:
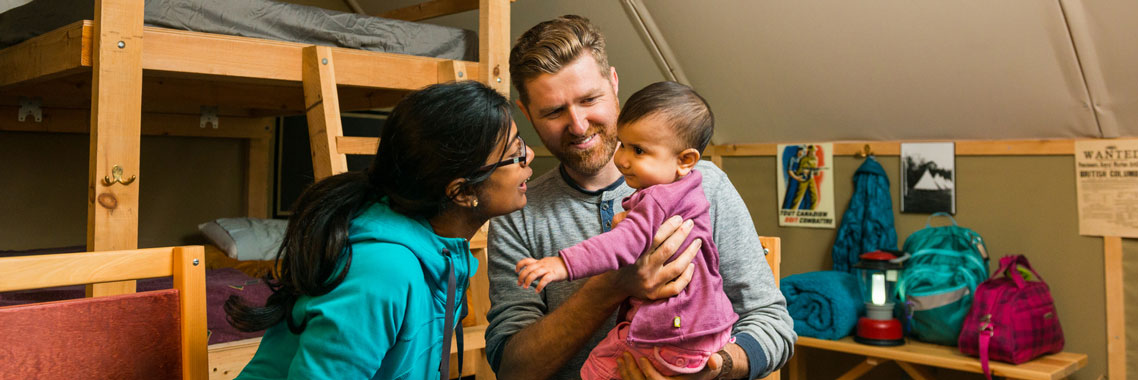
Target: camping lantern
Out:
[877,276]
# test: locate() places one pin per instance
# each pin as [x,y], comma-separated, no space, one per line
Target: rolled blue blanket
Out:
[824,305]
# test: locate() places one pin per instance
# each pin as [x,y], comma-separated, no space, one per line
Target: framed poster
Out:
[928,177]
[806,185]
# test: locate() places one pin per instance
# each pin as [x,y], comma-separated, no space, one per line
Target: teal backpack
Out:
[945,265]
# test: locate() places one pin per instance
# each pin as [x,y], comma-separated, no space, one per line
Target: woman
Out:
[373,264]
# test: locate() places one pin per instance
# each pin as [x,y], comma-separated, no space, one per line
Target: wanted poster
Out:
[1106,180]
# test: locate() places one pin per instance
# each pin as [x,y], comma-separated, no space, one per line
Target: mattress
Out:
[264,19]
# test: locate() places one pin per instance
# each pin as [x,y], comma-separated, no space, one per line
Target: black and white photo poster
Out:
[928,177]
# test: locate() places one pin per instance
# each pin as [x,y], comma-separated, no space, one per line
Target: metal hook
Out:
[116,172]
[865,152]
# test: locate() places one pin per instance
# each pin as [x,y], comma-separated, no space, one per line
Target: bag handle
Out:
[929,221]
[1010,263]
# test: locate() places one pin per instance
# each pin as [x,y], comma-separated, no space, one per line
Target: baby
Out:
[663,130]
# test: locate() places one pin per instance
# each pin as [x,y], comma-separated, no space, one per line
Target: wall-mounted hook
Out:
[116,172]
[865,152]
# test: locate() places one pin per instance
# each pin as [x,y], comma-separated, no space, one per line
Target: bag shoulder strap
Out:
[929,221]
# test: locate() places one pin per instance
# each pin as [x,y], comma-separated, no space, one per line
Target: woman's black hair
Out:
[433,136]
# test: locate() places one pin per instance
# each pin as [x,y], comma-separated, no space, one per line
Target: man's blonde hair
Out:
[550,45]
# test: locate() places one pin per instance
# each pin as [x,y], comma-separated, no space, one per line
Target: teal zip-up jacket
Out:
[385,321]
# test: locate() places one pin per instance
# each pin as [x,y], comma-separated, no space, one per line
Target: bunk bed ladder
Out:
[322,106]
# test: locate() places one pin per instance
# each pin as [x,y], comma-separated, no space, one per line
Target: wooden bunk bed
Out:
[117,79]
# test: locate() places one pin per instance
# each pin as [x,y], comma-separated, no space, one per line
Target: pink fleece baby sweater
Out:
[703,309]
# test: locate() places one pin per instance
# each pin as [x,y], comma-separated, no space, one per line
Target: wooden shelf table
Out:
[913,355]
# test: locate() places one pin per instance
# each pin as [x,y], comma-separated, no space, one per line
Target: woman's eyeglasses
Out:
[483,172]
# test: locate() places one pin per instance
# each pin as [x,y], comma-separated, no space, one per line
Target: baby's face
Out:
[648,153]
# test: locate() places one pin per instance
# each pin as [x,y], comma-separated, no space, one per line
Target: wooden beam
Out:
[45,271]
[257,177]
[1049,367]
[116,118]
[452,71]
[226,360]
[240,59]
[67,120]
[737,150]
[774,256]
[917,373]
[473,338]
[323,104]
[189,278]
[717,160]
[494,44]
[430,9]
[797,366]
[860,369]
[1016,148]
[1115,308]
[186,95]
[893,148]
[357,145]
[479,292]
[55,53]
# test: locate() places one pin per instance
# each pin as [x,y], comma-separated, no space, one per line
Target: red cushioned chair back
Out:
[131,336]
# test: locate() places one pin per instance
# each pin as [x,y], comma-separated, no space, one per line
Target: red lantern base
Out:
[877,332]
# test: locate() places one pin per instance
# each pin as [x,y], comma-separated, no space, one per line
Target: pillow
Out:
[246,238]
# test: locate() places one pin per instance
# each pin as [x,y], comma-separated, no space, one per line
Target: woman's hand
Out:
[642,369]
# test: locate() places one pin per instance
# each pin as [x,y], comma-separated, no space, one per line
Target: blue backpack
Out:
[940,278]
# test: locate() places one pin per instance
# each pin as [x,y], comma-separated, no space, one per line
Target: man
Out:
[569,92]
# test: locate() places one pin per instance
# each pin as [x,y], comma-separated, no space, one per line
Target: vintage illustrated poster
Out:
[1106,181]
[806,185]
[928,177]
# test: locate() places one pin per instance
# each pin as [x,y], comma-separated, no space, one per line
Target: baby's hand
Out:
[547,270]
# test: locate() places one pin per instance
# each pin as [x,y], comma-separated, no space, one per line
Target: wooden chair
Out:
[772,248]
[150,335]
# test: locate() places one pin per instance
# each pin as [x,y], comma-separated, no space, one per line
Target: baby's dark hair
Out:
[680,106]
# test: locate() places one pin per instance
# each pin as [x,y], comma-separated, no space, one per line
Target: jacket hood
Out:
[379,223]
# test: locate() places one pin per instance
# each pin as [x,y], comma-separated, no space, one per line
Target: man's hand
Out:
[618,217]
[652,277]
[632,369]
[547,270]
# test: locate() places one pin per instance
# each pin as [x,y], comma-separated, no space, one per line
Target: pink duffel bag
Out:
[1012,319]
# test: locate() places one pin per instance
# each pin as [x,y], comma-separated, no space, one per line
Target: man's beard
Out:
[592,160]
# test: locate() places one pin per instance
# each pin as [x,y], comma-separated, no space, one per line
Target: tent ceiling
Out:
[779,71]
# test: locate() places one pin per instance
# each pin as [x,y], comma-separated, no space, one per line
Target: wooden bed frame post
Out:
[257,176]
[772,252]
[494,64]
[494,44]
[116,119]
[322,103]
[189,278]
